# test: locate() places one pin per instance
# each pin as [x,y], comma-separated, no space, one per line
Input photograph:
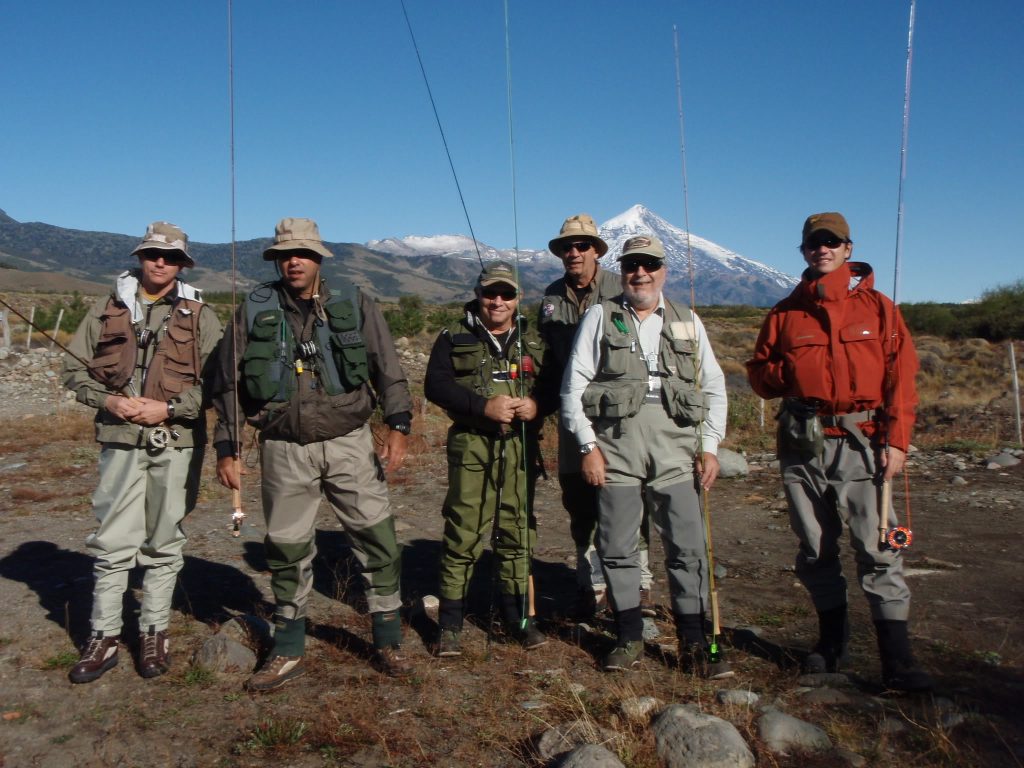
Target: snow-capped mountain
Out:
[454,246]
[721,276]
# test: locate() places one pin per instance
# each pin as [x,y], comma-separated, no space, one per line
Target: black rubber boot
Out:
[519,627]
[831,652]
[449,613]
[900,671]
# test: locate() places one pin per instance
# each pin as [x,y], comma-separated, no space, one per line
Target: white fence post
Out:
[56,327]
[1016,391]
[28,335]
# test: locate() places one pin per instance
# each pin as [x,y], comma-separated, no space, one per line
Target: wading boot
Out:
[449,643]
[900,672]
[518,626]
[99,655]
[625,657]
[392,662]
[694,652]
[831,652]
[154,653]
[276,672]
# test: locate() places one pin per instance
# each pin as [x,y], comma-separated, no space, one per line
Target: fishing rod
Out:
[898,537]
[714,649]
[51,339]
[523,491]
[444,140]
[237,513]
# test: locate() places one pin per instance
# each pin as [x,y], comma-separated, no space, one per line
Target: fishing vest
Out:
[620,384]
[337,355]
[175,364]
[480,369]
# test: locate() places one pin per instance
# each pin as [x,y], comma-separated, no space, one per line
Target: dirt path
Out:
[965,573]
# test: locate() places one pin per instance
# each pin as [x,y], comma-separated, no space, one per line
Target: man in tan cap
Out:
[645,399]
[579,245]
[139,357]
[307,363]
[839,355]
[488,371]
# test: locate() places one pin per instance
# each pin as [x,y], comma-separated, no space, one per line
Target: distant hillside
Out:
[438,268]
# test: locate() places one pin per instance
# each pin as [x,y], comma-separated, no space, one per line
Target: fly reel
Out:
[899,537]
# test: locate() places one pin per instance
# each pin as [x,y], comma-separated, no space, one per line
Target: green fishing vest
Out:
[268,365]
[619,386]
[479,369]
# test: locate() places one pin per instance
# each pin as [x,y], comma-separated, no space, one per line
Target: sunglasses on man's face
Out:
[170,259]
[583,246]
[829,241]
[649,263]
[506,294]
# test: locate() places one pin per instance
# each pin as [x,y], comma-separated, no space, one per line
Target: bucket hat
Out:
[296,235]
[164,236]
[575,227]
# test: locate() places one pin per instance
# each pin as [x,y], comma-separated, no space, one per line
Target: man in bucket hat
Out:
[645,399]
[307,363]
[584,284]
[146,346]
[488,372]
[839,354]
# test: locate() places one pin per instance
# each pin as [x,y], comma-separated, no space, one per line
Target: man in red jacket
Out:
[838,353]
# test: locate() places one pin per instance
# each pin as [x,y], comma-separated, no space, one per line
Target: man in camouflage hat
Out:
[488,371]
[141,357]
[645,399]
[308,362]
[841,358]
[580,247]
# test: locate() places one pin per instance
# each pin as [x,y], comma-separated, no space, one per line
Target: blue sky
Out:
[116,113]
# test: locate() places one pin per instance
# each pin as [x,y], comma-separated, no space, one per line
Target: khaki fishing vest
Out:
[620,384]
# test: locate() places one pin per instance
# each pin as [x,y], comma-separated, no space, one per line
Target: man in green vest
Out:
[307,363]
[488,372]
[580,247]
[645,399]
[146,346]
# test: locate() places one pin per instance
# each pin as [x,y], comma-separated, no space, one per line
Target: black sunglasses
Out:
[505,293]
[170,258]
[649,263]
[829,241]
[582,246]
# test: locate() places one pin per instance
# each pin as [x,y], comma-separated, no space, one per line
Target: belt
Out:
[842,419]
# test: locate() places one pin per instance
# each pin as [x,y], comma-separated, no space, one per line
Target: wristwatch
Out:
[404,427]
[587,448]
[170,409]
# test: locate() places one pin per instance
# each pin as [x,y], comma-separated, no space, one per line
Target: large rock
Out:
[590,756]
[222,654]
[688,737]
[783,733]
[732,464]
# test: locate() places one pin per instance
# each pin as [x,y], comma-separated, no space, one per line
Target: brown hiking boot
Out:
[97,657]
[275,673]
[392,662]
[154,653]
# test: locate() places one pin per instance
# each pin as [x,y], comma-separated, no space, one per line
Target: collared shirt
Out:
[586,355]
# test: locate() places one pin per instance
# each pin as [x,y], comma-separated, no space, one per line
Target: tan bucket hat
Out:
[296,235]
[575,227]
[164,236]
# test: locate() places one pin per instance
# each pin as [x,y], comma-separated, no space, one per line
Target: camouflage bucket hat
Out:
[164,236]
[575,227]
[646,245]
[497,272]
[830,222]
[296,235]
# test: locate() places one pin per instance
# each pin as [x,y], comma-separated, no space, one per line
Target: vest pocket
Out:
[613,400]
[684,402]
[615,360]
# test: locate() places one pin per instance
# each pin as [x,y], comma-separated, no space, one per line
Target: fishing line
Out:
[444,140]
